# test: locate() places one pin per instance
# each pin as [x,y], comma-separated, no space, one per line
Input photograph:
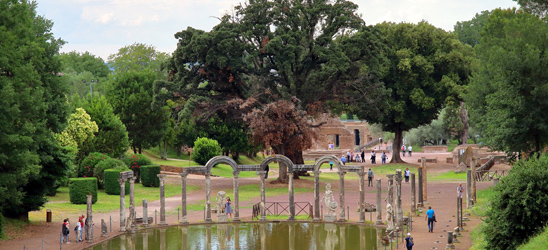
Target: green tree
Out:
[138,57]
[508,95]
[131,96]
[78,67]
[469,32]
[205,149]
[32,106]
[536,7]
[80,129]
[424,65]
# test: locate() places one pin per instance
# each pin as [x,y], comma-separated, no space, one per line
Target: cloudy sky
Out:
[103,26]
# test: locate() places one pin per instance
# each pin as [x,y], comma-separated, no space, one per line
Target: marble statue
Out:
[330,203]
[220,202]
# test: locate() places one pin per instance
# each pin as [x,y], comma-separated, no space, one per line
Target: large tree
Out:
[536,7]
[131,95]
[508,96]
[266,51]
[79,67]
[424,65]
[137,57]
[32,108]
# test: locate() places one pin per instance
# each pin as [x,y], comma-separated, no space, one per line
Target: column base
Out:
[183,222]
[236,219]
[263,219]
[162,223]
[450,246]
[378,222]
[316,220]
[361,221]
[208,220]
[122,229]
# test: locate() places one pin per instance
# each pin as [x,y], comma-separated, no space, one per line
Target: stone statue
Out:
[389,216]
[330,203]
[220,202]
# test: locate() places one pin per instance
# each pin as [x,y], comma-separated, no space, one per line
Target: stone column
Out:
[450,240]
[424,181]
[184,220]
[162,199]
[398,210]
[208,198]
[362,195]
[89,232]
[122,204]
[421,200]
[132,203]
[496,181]
[469,189]
[342,216]
[236,196]
[473,167]
[291,197]
[317,216]
[263,196]
[104,230]
[458,211]
[390,189]
[379,203]
[413,196]
[145,213]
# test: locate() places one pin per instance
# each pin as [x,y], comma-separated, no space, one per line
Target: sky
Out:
[104,26]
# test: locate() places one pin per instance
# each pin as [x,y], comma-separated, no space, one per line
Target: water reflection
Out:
[293,236]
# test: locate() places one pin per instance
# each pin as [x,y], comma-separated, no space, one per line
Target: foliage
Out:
[469,32]
[149,175]
[112,137]
[424,65]
[430,134]
[112,186]
[77,67]
[131,96]
[138,57]
[110,163]
[508,95]
[87,166]
[32,107]
[536,7]
[519,208]
[80,129]
[536,242]
[135,162]
[205,149]
[79,188]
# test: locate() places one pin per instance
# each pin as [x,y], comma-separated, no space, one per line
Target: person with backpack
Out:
[409,242]
[65,231]
[403,150]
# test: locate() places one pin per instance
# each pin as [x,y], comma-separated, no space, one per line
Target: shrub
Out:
[112,186]
[105,164]
[1,226]
[519,207]
[87,166]
[205,149]
[149,176]
[135,162]
[79,188]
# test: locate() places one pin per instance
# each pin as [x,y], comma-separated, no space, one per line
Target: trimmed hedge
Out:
[109,163]
[205,149]
[149,176]
[112,186]
[135,162]
[79,188]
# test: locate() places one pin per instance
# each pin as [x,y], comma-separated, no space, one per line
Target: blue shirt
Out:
[343,159]
[430,213]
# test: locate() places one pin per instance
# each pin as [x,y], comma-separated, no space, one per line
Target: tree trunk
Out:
[397,147]
[164,155]
[464,118]
[134,149]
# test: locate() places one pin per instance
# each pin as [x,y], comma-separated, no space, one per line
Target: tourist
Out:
[410,150]
[228,208]
[370,177]
[65,231]
[331,165]
[363,155]
[82,218]
[407,172]
[343,159]
[351,158]
[403,150]
[266,169]
[409,242]
[383,157]
[431,216]
[373,156]
[348,156]
[329,146]
[358,158]
[460,190]
[78,230]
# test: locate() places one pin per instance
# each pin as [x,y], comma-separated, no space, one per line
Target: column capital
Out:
[236,173]
[361,174]
[262,173]
[317,172]
[121,181]
[183,174]
[132,179]
[342,173]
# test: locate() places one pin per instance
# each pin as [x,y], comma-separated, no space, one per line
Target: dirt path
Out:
[441,196]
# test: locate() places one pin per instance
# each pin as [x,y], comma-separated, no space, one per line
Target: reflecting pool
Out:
[277,236]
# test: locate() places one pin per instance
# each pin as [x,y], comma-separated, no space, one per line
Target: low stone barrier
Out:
[434,149]
[429,160]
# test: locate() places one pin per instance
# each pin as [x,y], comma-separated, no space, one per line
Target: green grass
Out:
[105,203]
[481,208]
[447,176]
[536,242]
[14,228]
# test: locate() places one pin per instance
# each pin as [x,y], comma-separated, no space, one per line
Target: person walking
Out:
[228,207]
[460,191]
[410,150]
[407,172]
[373,156]
[403,150]
[370,177]
[363,155]
[65,231]
[331,165]
[431,216]
[343,159]
[266,169]
[409,242]
[79,226]
[383,157]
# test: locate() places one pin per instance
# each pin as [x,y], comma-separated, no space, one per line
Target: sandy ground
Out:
[441,196]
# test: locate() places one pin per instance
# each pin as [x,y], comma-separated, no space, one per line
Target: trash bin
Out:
[48,215]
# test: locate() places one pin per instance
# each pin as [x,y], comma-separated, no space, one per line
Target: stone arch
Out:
[278,158]
[220,159]
[328,158]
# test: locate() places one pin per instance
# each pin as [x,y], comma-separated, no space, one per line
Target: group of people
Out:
[409,149]
[360,158]
[79,229]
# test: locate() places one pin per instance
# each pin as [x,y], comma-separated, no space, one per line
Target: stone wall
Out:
[334,126]
[434,149]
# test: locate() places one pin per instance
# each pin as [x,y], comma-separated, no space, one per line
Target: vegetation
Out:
[149,175]
[79,188]
[205,149]
[112,186]
[135,162]
[110,163]
[87,166]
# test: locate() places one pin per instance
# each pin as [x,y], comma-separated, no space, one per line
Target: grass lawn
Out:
[480,209]
[61,206]
[447,176]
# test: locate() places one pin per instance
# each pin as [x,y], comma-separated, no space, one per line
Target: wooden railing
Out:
[488,175]
[367,145]
[279,208]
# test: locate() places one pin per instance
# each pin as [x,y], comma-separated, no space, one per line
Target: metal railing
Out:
[279,208]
